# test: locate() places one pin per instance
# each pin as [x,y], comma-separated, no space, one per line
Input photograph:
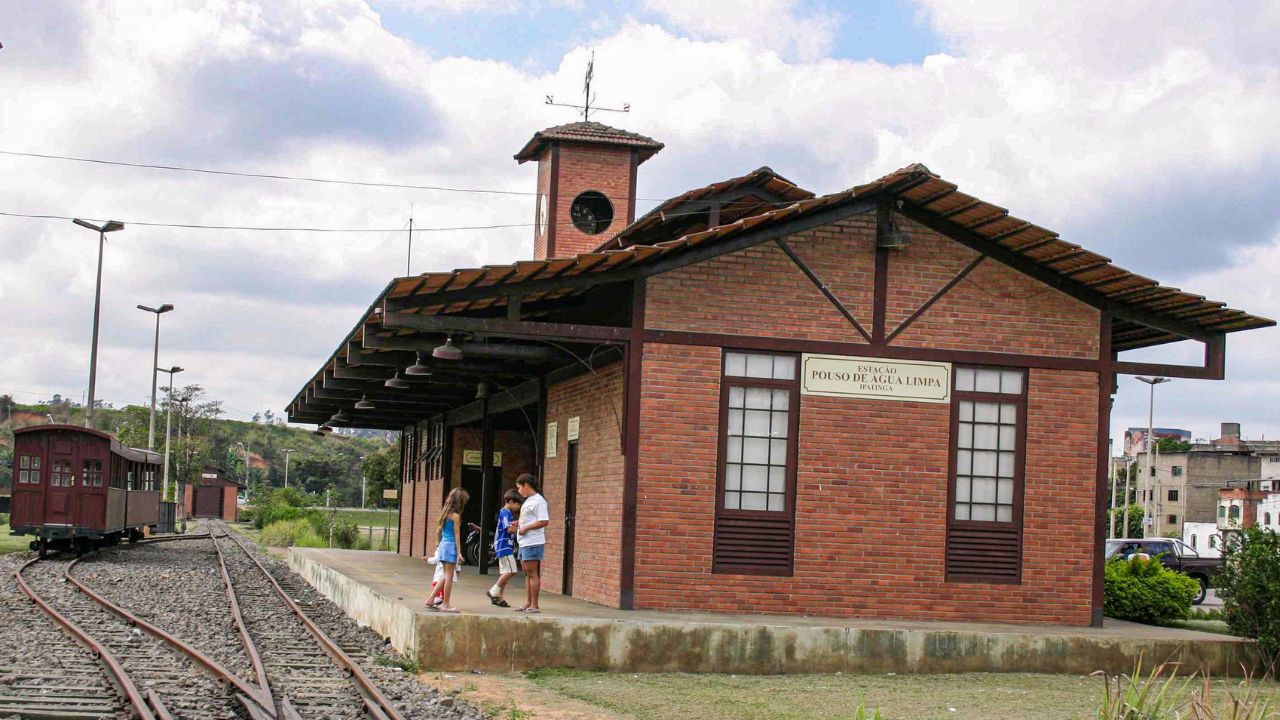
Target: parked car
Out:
[1174,554]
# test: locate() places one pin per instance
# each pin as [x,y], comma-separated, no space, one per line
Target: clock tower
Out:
[586,185]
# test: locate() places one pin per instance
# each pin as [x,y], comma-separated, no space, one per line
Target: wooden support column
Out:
[631,447]
[486,480]
[880,292]
[1106,386]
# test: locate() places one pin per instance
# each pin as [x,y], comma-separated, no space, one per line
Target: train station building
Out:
[886,402]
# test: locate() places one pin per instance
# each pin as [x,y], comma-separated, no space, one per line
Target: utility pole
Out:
[1128,465]
[286,466]
[1111,468]
[362,482]
[1149,472]
[246,466]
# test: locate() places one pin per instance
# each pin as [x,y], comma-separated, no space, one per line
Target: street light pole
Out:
[286,466]
[362,482]
[155,371]
[1128,463]
[1111,468]
[168,426]
[110,226]
[1147,520]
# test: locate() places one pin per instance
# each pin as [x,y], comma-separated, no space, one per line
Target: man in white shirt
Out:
[534,518]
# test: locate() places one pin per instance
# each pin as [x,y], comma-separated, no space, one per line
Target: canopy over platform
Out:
[516,324]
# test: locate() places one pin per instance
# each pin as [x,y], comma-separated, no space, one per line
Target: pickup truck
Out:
[1174,554]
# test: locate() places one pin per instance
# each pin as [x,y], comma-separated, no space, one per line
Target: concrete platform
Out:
[386,591]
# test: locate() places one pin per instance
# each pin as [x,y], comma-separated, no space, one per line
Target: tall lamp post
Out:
[155,371]
[286,466]
[102,230]
[168,426]
[1149,472]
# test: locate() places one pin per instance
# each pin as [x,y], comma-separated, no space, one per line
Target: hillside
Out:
[332,462]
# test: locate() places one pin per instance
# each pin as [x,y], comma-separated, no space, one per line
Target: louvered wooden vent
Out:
[991,555]
[756,545]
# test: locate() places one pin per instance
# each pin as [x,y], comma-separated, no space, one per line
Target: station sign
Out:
[876,378]
[389,494]
[571,430]
[475,457]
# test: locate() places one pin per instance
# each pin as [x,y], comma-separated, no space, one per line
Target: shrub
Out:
[1164,695]
[4,518]
[291,533]
[1143,590]
[1249,585]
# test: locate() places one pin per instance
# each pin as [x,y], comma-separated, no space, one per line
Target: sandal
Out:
[521,609]
[501,603]
[450,610]
[493,599]
[532,611]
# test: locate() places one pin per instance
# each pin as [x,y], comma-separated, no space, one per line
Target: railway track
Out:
[160,678]
[128,646]
[44,672]
[309,674]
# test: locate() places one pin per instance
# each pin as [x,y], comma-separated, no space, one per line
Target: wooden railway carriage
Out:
[73,485]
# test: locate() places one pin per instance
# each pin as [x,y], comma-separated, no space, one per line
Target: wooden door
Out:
[60,487]
[570,514]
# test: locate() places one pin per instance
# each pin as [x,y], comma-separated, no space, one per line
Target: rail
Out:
[141,708]
[375,702]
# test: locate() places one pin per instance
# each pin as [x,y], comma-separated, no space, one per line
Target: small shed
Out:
[212,495]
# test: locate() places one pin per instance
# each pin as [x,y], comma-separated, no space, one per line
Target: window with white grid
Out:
[758,443]
[990,423]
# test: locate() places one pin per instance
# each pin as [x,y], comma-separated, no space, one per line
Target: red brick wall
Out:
[517,454]
[870,507]
[589,167]
[596,399]
[759,291]
[994,308]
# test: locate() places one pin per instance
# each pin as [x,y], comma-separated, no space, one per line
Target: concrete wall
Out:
[675,643]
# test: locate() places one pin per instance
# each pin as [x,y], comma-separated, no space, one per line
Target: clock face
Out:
[540,217]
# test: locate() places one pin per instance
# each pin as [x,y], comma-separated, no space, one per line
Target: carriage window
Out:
[129,481]
[92,473]
[29,477]
[61,475]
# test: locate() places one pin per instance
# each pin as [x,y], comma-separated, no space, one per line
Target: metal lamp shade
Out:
[418,367]
[482,390]
[397,382]
[447,351]
[364,404]
[339,417]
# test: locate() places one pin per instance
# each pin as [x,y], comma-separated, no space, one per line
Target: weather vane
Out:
[587,98]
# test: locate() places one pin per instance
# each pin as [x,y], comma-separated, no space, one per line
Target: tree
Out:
[381,471]
[1167,445]
[1135,521]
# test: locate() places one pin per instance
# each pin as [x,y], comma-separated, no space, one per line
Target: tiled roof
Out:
[922,195]
[668,219]
[588,132]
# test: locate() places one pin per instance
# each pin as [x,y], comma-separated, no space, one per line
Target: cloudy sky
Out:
[1142,130]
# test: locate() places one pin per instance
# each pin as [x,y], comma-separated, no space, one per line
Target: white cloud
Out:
[777,25]
[1154,148]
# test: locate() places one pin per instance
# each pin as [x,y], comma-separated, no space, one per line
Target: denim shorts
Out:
[532,552]
[447,553]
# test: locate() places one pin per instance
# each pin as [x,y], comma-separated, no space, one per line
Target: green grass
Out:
[12,543]
[363,518]
[797,697]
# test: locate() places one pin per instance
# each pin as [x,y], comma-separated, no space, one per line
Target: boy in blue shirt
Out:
[504,547]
